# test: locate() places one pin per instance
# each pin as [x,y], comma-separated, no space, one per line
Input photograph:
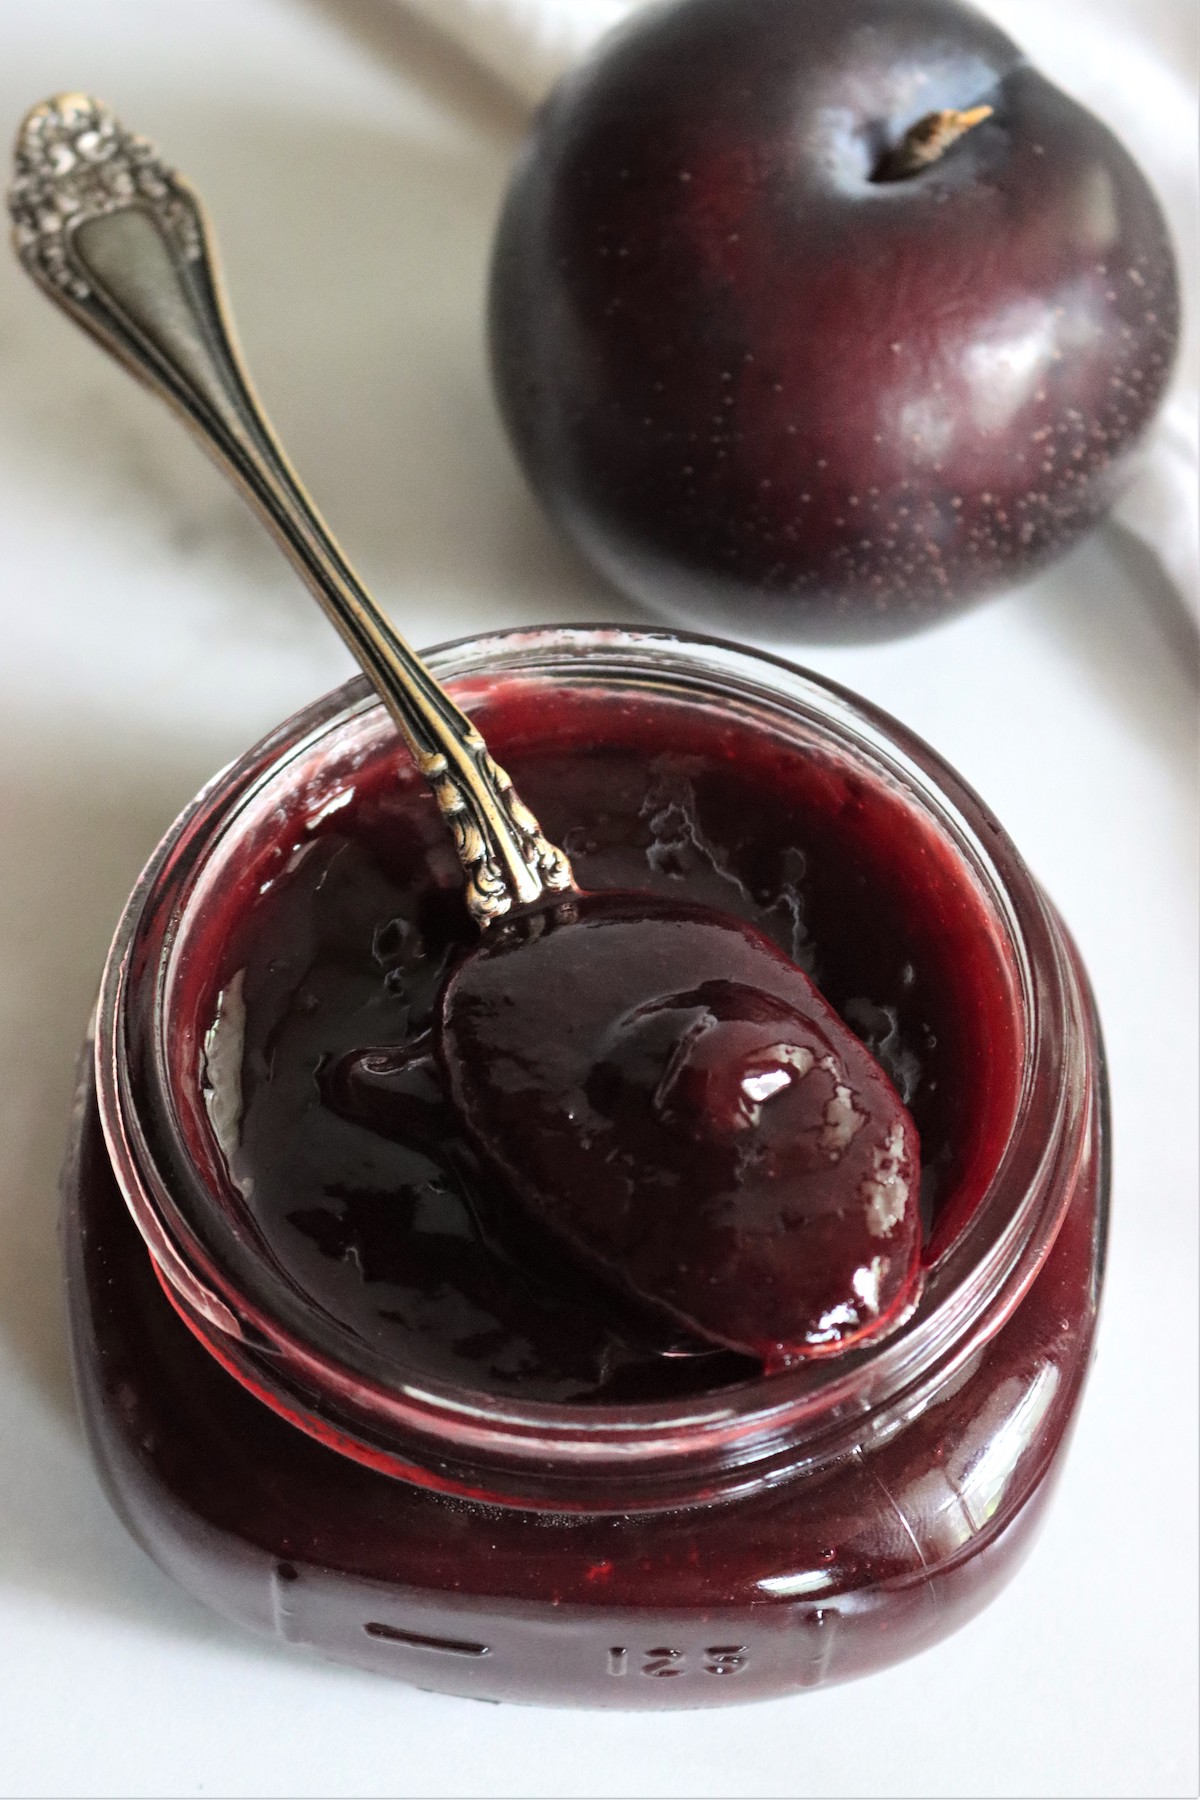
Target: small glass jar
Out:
[784,1532]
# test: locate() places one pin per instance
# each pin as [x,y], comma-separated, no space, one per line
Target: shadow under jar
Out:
[336,1389]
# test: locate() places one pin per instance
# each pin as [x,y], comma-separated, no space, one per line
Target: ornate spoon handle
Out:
[122,244]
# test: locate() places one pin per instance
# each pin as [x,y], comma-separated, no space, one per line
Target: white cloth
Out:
[1134,62]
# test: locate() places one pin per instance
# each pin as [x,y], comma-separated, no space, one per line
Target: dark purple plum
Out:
[825,319]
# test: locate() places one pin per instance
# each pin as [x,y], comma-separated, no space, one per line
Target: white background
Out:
[148,632]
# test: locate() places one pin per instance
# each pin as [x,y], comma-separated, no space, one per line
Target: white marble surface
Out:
[149,632]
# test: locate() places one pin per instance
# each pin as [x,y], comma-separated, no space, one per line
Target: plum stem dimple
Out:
[928,140]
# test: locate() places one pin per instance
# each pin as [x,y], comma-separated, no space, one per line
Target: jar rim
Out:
[540,1452]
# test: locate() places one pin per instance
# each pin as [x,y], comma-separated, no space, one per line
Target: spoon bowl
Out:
[691,1119]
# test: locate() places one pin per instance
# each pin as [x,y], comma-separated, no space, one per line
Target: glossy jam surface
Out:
[329,950]
[669,1094]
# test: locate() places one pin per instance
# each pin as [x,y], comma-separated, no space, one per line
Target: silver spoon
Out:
[122,244]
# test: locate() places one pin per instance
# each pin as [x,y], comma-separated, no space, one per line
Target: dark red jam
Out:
[480,1466]
[352,1160]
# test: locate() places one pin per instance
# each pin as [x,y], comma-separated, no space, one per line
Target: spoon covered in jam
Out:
[654,1084]
[692,1119]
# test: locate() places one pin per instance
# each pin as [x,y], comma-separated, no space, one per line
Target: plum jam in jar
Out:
[338,1389]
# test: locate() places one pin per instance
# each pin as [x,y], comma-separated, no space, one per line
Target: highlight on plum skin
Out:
[692,1121]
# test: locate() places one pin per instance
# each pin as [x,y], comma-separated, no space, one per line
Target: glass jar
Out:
[783,1532]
